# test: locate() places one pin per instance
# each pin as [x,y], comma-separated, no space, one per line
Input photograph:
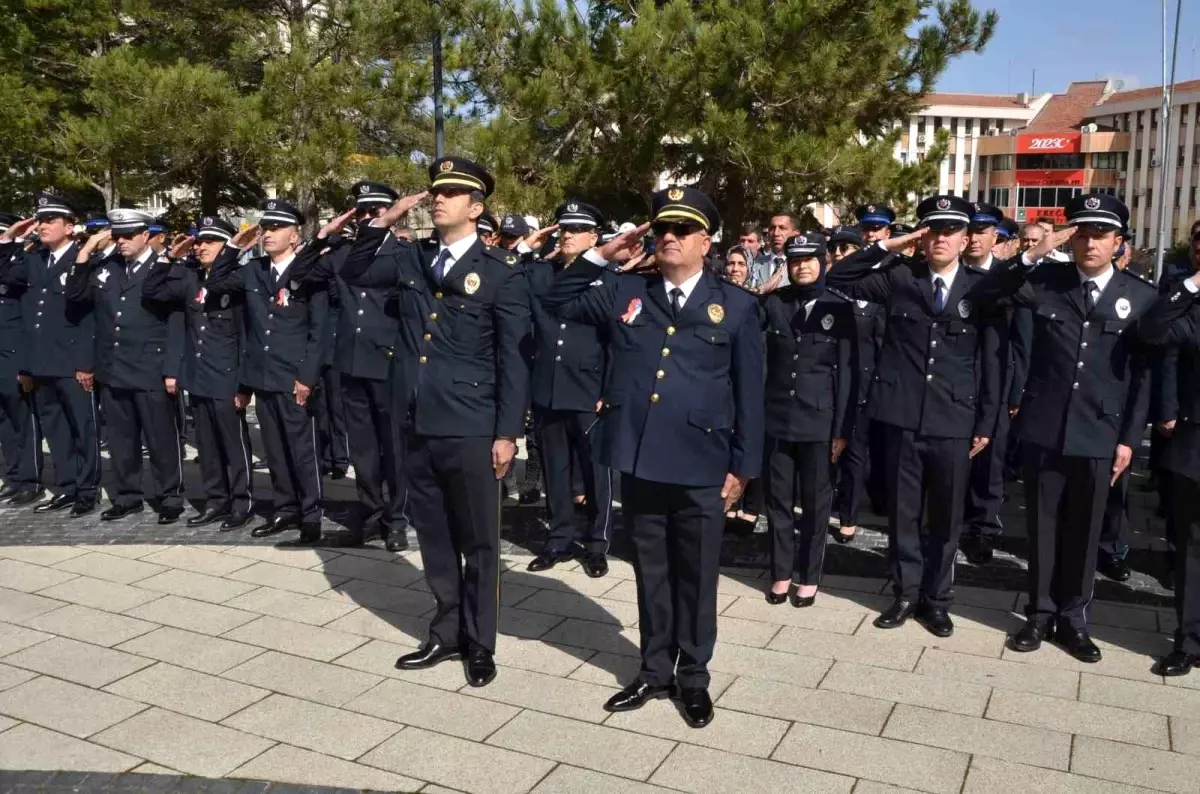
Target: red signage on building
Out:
[1050,143]
[1057,214]
[1027,178]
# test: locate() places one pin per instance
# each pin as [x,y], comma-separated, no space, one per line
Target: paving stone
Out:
[64,707]
[945,665]
[590,746]
[814,706]
[510,595]
[289,556]
[16,606]
[828,645]
[380,624]
[992,776]
[100,594]
[731,731]
[742,585]
[30,578]
[1139,696]
[539,657]
[191,650]
[303,678]
[871,787]
[425,707]
[90,625]
[12,676]
[197,560]
[130,551]
[1126,763]
[378,596]
[283,577]
[298,639]
[834,620]
[28,747]
[611,670]
[562,696]
[773,665]
[626,590]
[978,643]
[460,764]
[313,726]
[14,638]
[574,605]
[573,780]
[530,625]
[864,584]
[1125,617]
[558,579]
[187,691]
[291,606]
[851,600]
[192,746]
[1143,642]
[1185,735]
[85,664]
[751,633]
[874,758]
[987,620]
[705,771]
[1071,716]
[152,769]
[286,764]
[379,658]
[919,690]
[40,555]
[1114,663]
[1003,740]
[191,615]
[199,586]
[595,636]
[110,567]
[383,572]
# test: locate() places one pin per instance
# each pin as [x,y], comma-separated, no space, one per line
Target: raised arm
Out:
[860,276]
[166,283]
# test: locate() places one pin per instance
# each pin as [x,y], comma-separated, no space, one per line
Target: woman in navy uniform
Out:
[682,422]
[809,415]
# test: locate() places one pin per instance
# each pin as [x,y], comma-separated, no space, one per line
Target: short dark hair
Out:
[792,219]
[1195,227]
[477,197]
[750,228]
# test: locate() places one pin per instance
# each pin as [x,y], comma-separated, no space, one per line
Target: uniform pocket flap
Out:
[474,378]
[714,336]
[1049,313]
[708,420]
[1115,326]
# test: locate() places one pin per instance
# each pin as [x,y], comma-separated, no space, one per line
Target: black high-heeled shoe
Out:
[799,602]
[776,599]
[843,538]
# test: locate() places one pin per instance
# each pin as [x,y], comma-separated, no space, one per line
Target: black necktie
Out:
[439,265]
[939,294]
[676,301]
[1089,296]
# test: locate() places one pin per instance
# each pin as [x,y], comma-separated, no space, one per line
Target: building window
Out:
[1137,159]
[920,125]
[1002,162]
[1153,118]
[1140,119]
[1192,199]
[953,126]
[1124,161]
[1127,122]
[966,163]
[998,196]
[1150,196]
[937,122]
[1136,201]
[1104,160]
[953,163]
[1181,156]
[1178,195]
[1043,161]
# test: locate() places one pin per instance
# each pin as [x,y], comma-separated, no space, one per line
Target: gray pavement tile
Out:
[192,746]
[187,691]
[100,594]
[553,695]
[110,567]
[993,776]
[90,665]
[426,707]
[40,555]
[14,638]
[292,765]
[379,624]
[64,707]
[828,645]
[29,747]
[332,731]
[573,780]
[283,577]
[1139,696]
[1071,716]
[918,690]
[704,771]
[999,673]
[191,615]
[90,625]
[298,639]
[458,763]
[199,586]
[383,572]
[12,676]
[379,658]
[591,746]
[303,678]
[191,650]
[198,560]
[1006,741]
[30,578]
[291,606]
[16,606]
[1137,766]
[814,706]
[731,731]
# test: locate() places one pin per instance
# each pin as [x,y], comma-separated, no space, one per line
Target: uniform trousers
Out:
[676,532]
[854,466]
[985,488]
[1064,499]
[135,417]
[563,438]
[373,450]
[798,472]
[331,421]
[223,440]
[289,440]
[454,501]
[1114,529]
[1187,563]
[68,417]
[20,439]
[926,478]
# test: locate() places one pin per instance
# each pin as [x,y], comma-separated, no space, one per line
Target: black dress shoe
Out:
[60,502]
[428,656]
[481,667]
[396,541]
[530,497]
[1114,568]
[776,599]
[595,564]
[1177,663]
[636,695]
[1030,637]
[978,549]
[82,508]
[235,521]
[1077,643]
[118,511]
[9,491]
[548,559]
[896,614]
[697,706]
[936,620]
[26,497]
[169,515]
[806,601]
[842,537]
[275,525]
[338,473]
[209,516]
[310,534]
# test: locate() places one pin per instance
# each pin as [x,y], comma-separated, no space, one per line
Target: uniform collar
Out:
[687,286]
[1101,280]
[458,248]
[61,251]
[947,276]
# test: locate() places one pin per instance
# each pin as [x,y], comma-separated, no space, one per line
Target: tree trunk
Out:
[210,192]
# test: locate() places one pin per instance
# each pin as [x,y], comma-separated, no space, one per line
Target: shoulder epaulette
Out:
[1140,277]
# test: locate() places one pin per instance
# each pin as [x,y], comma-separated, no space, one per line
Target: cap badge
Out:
[716,312]
[964,309]
[675,193]
[870,208]
[365,189]
[207,222]
[572,208]
[3,289]
[447,165]
[1092,203]
[827,322]
[1123,308]
[943,204]
[471,283]
[271,205]
[978,208]
[43,201]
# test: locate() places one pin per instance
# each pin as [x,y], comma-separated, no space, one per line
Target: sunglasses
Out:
[124,235]
[840,247]
[944,227]
[662,228]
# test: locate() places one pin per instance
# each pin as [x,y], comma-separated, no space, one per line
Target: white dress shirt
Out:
[59,252]
[457,249]
[136,264]
[947,276]
[1101,281]
[686,286]
[278,268]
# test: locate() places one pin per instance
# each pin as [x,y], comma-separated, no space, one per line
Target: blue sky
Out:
[1067,40]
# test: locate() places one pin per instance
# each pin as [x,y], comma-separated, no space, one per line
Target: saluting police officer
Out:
[20,434]
[1083,411]
[461,381]
[810,391]
[215,336]
[681,421]
[935,393]
[139,351]
[285,338]
[60,352]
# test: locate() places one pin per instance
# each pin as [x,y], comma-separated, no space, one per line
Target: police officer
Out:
[513,229]
[20,435]
[1083,411]
[935,393]
[682,422]
[875,221]
[139,351]
[461,380]
[285,337]
[60,349]
[570,364]
[810,393]
[215,336]
[487,228]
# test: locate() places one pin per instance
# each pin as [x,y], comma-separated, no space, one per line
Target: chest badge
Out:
[964,309]
[827,322]
[632,311]
[294,285]
[102,276]
[1123,308]
[224,301]
[861,304]
[3,289]
[62,279]
[716,312]
[471,283]
[201,295]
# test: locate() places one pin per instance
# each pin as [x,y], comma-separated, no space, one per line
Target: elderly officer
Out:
[212,354]
[1083,411]
[139,350]
[281,361]
[935,393]
[681,421]
[461,382]
[59,352]
[20,435]
[570,364]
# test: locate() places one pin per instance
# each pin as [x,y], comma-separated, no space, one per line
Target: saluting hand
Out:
[18,230]
[624,246]
[181,246]
[336,225]
[894,244]
[732,490]
[534,240]
[399,209]
[1049,243]
[1120,462]
[26,383]
[978,443]
[246,238]
[97,242]
[503,452]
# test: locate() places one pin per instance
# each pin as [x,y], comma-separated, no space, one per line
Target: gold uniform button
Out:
[433,315]
[654,398]
[666,351]
[427,337]
[660,374]
[437,295]
[424,360]
[670,330]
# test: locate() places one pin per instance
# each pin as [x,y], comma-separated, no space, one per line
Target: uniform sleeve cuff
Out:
[1190,286]
[594,257]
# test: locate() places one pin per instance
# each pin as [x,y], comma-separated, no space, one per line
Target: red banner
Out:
[1064,178]
[1058,214]
[1050,143]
